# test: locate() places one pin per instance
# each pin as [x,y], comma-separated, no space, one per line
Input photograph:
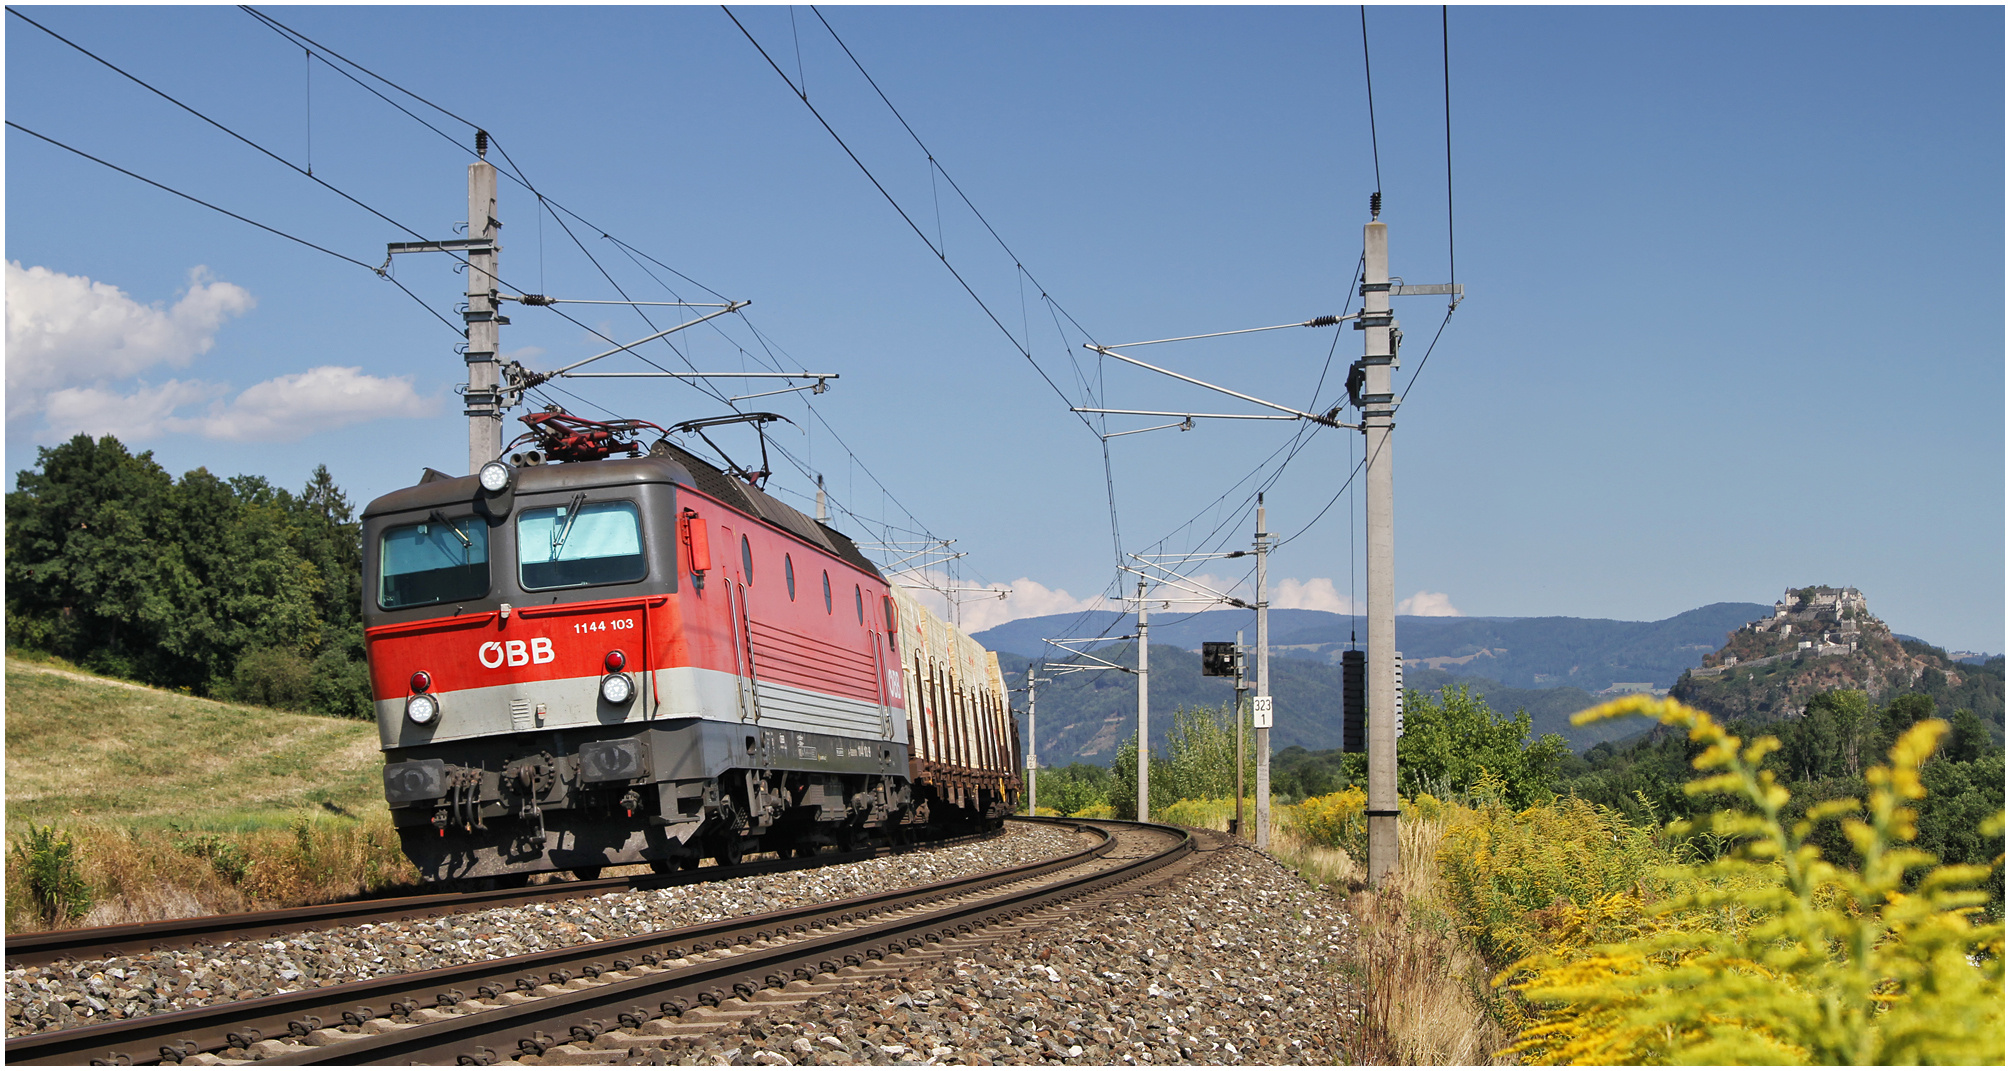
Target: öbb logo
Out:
[516,652]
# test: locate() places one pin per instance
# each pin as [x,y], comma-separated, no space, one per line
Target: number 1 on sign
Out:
[1260,712]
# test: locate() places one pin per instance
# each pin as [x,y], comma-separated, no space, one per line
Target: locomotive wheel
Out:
[806,851]
[730,852]
[586,873]
[689,862]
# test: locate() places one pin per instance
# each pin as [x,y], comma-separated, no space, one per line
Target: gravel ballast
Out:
[71,994]
[1235,961]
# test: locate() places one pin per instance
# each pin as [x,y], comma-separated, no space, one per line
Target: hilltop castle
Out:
[1831,619]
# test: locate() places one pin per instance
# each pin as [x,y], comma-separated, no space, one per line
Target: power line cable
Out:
[1369,74]
[135,79]
[243,219]
[1451,248]
[516,174]
[904,216]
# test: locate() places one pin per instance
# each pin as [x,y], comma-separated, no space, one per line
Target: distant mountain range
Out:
[1522,652]
[1549,666]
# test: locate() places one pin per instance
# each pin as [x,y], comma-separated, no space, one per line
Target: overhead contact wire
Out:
[918,233]
[242,219]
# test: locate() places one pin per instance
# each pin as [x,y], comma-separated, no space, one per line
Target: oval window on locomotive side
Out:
[580,544]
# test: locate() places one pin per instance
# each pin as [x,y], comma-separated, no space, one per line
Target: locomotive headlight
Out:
[616,688]
[494,477]
[422,709]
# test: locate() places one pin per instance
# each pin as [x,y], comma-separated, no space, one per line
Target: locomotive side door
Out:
[736,624]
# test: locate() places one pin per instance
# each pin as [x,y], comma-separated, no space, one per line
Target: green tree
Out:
[116,566]
[237,580]
[1200,757]
[1448,741]
[86,531]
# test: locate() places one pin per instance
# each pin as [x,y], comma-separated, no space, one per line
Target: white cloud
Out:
[278,410]
[1028,598]
[70,331]
[1429,604]
[144,413]
[1317,593]
[74,346]
[319,399]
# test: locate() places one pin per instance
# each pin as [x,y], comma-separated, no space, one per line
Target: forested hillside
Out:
[1522,652]
[1823,755]
[223,587]
[1085,716]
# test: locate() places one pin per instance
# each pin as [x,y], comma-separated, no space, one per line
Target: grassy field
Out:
[178,806]
[88,749]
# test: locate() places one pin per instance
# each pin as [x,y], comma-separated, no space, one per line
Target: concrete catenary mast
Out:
[1378,412]
[484,400]
[1261,716]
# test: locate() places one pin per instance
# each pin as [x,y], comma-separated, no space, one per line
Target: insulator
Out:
[1375,205]
[535,299]
[1322,321]
[482,144]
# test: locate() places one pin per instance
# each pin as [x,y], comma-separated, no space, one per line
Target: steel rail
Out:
[107,942]
[148,1039]
[498,1034]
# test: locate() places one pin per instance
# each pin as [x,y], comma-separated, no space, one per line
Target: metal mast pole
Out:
[1032,741]
[1378,412]
[484,403]
[1144,705]
[1262,682]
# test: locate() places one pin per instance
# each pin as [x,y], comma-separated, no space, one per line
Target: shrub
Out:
[272,677]
[339,685]
[1555,876]
[227,857]
[1773,954]
[1338,820]
[50,874]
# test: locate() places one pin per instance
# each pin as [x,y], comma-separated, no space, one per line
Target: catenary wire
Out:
[243,219]
[290,35]
[1368,75]
[905,217]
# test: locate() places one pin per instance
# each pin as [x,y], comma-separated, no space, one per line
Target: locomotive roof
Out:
[675,465]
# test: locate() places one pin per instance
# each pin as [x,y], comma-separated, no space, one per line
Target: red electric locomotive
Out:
[611,660]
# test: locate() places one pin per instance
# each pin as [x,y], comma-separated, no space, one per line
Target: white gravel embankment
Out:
[71,994]
[1236,961]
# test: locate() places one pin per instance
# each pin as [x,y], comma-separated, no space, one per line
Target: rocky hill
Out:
[1818,639]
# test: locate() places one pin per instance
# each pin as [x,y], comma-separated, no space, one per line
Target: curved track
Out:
[105,942]
[491,1010]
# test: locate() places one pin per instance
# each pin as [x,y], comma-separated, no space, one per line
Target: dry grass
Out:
[182,806]
[1428,989]
[83,749]
[140,874]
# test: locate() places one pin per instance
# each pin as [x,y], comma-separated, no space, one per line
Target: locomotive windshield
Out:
[579,544]
[439,560]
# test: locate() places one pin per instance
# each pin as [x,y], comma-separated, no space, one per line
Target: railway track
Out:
[107,942]
[642,988]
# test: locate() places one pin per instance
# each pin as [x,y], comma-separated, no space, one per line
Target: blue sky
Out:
[1735,276]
